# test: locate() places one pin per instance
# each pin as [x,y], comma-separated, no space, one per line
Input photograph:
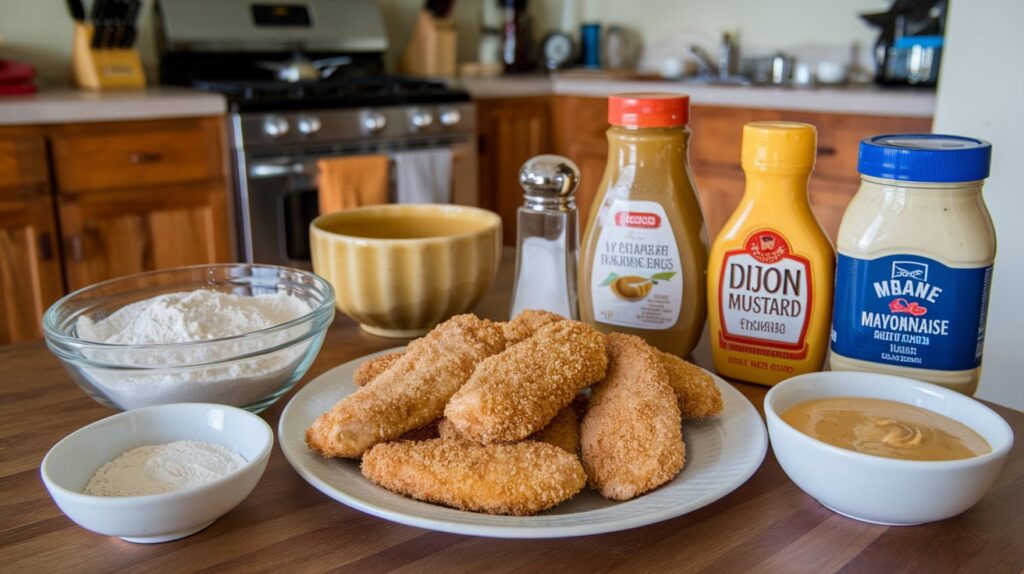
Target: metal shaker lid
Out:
[549,177]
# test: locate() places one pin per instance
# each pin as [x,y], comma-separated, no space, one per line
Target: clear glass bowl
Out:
[249,371]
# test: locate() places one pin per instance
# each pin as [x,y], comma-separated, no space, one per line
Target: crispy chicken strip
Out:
[527,323]
[522,327]
[516,393]
[370,369]
[631,437]
[518,479]
[423,433]
[563,431]
[409,395]
[698,394]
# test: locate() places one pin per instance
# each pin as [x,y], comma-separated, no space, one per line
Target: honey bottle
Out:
[771,269]
[644,253]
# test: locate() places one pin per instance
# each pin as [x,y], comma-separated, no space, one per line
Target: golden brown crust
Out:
[518,479]
[410,394]
[517,392]
[631,437]
[699,395]
[563,431]
[522,327]
[527,323]
[370,369]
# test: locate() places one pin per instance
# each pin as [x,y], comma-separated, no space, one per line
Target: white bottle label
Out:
[637,277]
[764,297]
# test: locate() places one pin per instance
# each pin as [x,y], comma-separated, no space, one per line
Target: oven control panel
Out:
[257,129]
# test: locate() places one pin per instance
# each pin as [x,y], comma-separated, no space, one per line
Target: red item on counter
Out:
[16,78]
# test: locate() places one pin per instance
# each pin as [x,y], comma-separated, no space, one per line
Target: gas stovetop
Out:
[345,92]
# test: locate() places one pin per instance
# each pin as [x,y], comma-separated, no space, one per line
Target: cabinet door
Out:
[111,234]
[829,200]
[720,191]
[511,131]
[30,275]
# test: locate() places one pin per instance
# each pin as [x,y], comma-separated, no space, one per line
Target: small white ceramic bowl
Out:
[70,464]
[878,489]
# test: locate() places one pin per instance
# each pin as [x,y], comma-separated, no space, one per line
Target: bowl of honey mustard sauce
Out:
[885,449]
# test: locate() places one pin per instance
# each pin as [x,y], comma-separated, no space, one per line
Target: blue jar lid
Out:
[929,158]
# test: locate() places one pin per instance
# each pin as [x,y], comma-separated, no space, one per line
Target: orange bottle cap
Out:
[649,110]
[780,147]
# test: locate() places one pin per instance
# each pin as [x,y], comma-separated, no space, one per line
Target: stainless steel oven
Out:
[305,80]
[277,177]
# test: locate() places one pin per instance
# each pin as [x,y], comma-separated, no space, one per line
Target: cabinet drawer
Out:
[718,133]
[839,137]
[101,157]
[22,158]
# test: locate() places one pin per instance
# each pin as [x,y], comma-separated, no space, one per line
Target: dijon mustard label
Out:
[637,275]
[765,298]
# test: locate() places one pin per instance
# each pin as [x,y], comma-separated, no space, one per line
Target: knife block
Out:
[104,68]
[432,48]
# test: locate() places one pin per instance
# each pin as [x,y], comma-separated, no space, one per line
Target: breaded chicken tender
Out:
[698,394]
[423,433]
[631,437]
[527,323]
[370,369]
[563,431]
[518,479]
[409,395]
[517,392]
[522,327]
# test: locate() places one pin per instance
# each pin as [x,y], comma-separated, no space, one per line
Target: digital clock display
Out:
[296,15]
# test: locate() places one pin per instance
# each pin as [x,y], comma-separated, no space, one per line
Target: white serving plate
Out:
[721,454]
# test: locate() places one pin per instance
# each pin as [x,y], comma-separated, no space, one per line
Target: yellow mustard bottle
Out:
[644,252]
[771,268]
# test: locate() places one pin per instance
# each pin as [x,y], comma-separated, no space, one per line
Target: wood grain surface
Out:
[767,525]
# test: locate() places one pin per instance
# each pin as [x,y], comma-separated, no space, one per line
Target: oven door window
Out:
[299,209]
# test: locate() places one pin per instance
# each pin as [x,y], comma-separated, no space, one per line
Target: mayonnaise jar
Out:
[916,247]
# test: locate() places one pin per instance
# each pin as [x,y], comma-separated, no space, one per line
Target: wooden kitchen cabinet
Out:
[140,196]
[117,233]
[30,272]
[118,155]
[510,131]
[126,197]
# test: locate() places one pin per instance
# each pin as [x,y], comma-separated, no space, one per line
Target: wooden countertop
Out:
[767,525]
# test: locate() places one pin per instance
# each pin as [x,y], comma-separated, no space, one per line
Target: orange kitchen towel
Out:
[352,181]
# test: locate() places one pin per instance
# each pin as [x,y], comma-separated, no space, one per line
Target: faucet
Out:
[705,59]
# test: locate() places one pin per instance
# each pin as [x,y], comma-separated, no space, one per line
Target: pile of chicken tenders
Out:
[489,417]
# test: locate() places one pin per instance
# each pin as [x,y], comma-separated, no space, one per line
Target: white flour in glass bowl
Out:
[193,316]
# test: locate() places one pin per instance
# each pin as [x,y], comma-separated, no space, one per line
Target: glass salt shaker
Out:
[548,237]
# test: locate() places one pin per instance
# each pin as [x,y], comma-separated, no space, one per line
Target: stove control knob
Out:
[275,126]
[449,117]
[372,122]
[308,125]
[420,119]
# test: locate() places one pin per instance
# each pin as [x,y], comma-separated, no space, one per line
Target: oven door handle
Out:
[261,170]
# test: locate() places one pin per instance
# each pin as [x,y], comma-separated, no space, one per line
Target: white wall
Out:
[981,82]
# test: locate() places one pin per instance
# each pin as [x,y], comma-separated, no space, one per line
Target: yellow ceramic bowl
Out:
[399,270]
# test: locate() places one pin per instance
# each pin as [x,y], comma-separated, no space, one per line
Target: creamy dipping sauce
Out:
[885,428]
